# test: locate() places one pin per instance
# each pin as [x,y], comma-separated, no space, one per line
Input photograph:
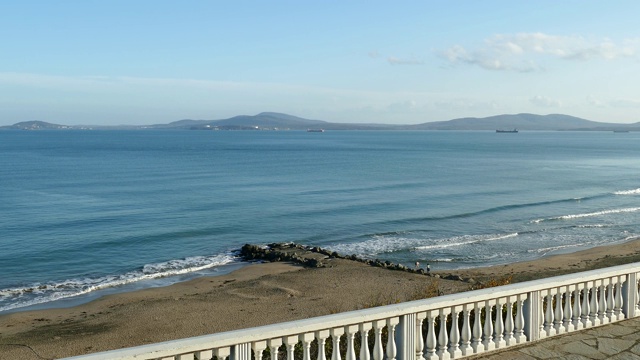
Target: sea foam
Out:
[38,293]
[591,214]
[628,192]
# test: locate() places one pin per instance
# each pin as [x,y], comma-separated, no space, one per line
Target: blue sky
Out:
[403,62]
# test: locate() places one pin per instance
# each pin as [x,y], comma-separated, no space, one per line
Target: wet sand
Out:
[258,294]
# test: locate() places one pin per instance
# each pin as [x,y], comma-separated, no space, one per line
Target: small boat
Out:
[315,130]
[507,131]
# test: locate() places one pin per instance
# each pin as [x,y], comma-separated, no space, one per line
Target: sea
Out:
[89,213]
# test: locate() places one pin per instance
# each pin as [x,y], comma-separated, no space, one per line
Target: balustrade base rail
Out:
[445,327]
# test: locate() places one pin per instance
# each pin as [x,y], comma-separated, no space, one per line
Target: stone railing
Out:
[444,327]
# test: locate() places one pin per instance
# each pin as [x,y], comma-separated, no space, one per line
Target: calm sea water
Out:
[89,212]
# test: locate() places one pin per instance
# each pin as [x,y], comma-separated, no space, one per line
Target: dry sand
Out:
[257,294]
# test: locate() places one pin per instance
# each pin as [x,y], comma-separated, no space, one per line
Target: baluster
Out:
[602,303]
[584,317]
[593,313]
[336,333]
[465,334]
[610,300]
[306,340]
[274,345]
[222,353]
[290,343]
[487,339]
[258,351]
[617,309]
[430,348]
[419,335]
[476,340]
[568,310]
[208,354]
[637,307]
[548,315]
[322,336]
[557,321]
[391,343]
[240,352]
[454,335]
[498,338]
[542,333]
[351,333]
[364,341]
[443,338]
[378,352]
[519,330]
[508,324]
[577,308]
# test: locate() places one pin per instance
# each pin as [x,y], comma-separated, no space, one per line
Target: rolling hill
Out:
[279,121]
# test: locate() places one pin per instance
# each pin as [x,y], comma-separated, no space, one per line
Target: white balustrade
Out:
[445,327]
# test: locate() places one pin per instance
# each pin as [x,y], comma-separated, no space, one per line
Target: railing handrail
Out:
[229,338]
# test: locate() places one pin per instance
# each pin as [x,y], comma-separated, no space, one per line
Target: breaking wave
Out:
[546,250]
[464,240]
[628,192]
[597,213]
[38,293]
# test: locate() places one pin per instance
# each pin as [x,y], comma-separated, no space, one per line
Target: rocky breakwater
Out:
[316,257]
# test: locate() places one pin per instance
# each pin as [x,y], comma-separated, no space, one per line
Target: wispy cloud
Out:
[543,101]
[622,103]
[519,52]
[625,103]
[592,100]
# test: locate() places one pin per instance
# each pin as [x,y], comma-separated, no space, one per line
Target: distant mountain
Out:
[523,122]
[278,121]
[36,125]
[265,120]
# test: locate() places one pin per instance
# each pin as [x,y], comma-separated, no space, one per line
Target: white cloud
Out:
[519,52]
[592,100]
[625,103]
[544,101]
[487,59]
[404,106]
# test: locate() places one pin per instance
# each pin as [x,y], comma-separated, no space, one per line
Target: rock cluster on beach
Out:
[316,257]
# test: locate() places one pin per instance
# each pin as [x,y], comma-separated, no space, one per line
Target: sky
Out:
[87,62]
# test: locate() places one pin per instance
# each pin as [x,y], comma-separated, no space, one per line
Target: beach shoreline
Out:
[259,294]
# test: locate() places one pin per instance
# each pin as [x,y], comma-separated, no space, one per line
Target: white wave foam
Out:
[547,250]
[597,213]
[381,244]
[628,192]
[464,240]
[39,293]
[378,244]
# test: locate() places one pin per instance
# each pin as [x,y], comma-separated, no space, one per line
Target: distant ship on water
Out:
[507,131]
[315,130]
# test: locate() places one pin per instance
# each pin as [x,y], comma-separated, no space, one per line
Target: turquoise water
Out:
[82,212]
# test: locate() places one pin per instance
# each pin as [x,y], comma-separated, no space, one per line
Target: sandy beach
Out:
[257,294]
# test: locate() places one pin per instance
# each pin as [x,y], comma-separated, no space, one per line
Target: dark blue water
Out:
[85,211]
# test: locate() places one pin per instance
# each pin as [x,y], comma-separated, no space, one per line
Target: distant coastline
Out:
[280,122]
